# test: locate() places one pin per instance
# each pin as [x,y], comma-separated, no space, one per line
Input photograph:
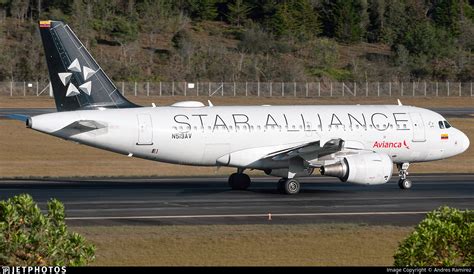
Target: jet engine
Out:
[366,169]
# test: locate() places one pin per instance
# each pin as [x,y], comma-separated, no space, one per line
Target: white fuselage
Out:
[241,135]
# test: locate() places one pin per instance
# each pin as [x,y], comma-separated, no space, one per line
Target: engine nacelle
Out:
[283,172]
[366,169]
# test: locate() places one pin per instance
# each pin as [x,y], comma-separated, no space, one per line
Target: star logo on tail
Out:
[85,72]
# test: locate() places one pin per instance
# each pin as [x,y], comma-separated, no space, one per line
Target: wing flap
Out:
[331,146]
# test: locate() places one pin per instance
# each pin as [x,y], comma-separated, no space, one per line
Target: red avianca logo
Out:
[384,144]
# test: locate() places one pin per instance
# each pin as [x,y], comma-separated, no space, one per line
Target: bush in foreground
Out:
[444,238]
[28,237]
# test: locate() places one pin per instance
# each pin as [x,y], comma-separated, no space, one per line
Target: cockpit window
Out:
[441,125]
[446,124]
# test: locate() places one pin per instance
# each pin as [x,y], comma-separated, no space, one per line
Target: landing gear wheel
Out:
[404,183]
[291,186]
[239,181]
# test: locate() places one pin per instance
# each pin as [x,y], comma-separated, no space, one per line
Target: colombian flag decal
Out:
[444,136]
[45,24]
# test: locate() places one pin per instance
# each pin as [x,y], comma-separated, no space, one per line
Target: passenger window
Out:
[446,124]
[441,125]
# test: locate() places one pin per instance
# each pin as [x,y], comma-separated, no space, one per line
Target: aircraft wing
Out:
[329,147]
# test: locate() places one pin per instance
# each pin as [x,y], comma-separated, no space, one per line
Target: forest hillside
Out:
[244,40]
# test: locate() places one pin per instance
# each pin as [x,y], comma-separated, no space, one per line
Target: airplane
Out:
[358,144]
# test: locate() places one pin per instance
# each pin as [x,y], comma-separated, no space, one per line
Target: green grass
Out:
[246,245]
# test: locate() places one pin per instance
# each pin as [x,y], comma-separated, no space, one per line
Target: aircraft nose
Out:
[464,142]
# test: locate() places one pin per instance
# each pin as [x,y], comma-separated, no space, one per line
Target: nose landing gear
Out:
[403,182]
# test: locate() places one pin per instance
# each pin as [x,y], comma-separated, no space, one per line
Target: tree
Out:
[123,31]
[255,40]
[202,9]
[296,18]
[376,9]
[19,9]
[344,20]
[238,12]
[395,22]
[444,238]
[27,237]
[425,39]
[447,14]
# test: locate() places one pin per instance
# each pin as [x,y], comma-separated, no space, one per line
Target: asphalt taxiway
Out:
[210,201]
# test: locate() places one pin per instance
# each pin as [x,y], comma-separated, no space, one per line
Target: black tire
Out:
[291,187]
[239,181]
[405,184]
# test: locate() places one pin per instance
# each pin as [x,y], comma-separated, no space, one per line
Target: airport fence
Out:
[265,89]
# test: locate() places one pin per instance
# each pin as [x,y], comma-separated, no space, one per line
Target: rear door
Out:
[145,129]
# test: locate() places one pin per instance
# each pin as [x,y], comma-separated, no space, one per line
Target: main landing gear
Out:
[403,182]
[239,180]
[288,186]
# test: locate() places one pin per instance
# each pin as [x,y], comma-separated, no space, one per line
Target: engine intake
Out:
[367,169]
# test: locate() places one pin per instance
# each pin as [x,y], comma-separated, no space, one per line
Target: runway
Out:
[465,112]
[184,200]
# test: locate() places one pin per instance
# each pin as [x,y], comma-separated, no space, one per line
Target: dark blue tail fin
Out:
[77,80]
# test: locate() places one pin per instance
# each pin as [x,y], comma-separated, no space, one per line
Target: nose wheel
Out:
[403,182]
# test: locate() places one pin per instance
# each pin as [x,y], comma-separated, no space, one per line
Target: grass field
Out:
[243,245]
[26,153]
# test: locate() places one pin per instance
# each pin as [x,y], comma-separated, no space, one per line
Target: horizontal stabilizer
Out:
[79,127]
[19,117]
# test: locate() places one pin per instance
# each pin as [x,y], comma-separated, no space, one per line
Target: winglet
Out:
[399,103]
[210,103]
